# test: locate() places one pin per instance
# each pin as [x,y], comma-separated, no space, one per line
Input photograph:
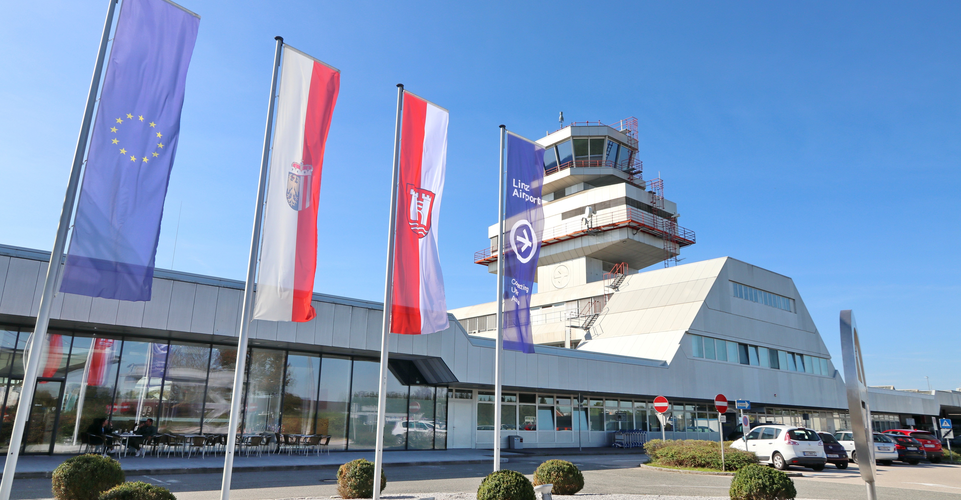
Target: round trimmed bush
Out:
[757,482]
[565,476]
[85,477]
[138,491]
[355,479]
[505,485]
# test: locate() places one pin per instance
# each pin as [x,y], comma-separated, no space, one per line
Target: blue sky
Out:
[819,140]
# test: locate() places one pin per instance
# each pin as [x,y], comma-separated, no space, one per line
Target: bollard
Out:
[544,490]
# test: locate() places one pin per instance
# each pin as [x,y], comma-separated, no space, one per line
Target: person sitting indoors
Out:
[98,431]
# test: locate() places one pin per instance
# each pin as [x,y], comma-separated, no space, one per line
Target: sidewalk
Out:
[39,466]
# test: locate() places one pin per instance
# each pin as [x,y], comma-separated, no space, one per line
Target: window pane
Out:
[581,149]
[732,352]
[824,368]
[624,157]
[8,341]
[580,419]
[709,348]
[71,430]
[526,398]
[764,357]
[440,419]
[420,428]
[809,364]
[300,394]
[485,417]
[332,405]
[508,417]
[528,417]
[564,418]
[363,416]
[743,354]
[721,348]
[550,159]
[774,355]
[791,366]
[697,346]
[565,154]
[220,385]
[264,386]
[545,400]
[597,418]
[545,417]
[17,357]
[133,391]
[611,157]
[782,360]
[183,391]
[597,151]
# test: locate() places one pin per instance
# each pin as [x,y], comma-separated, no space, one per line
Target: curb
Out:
[220,470]
[705,473]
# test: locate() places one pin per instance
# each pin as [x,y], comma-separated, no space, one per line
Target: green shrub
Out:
[698,454]
[565,477]
[355,479]
[138,491]
[85,477]
[757,482]
[950,455]
[505,485]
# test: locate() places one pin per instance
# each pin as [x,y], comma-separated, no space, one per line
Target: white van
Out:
[784,445]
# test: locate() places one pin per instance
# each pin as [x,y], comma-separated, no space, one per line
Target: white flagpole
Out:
[53,268]
[83,390]
[500,308]
[388,285]
[241,367]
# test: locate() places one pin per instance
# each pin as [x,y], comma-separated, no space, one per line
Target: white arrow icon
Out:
[524,239]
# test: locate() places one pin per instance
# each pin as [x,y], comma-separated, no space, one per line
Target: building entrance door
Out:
[44,415]
[461,424]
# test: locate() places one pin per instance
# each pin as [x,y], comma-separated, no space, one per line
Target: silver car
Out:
[885,452]
[784,445]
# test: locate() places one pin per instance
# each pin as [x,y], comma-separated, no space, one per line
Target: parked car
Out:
[932,446]
[834,451]
[884,447]
[910,450]
[784,445]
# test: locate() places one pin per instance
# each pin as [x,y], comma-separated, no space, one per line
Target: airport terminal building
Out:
[609,340]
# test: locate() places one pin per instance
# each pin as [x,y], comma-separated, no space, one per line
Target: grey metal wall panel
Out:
[4,265]
[419,344]
[228,312]
[393,342]
[76,307]
[157,310]
[38,290]
[205,309]
[375,325]
[405,344]
[460,355]
[435,345]
[20,286]
[286,331]
[358,329]
[341,326]
[130,313]
[324,323]
[304,333]
[104,311]
[181,306]
[57,306]
[263,330]
[510,363]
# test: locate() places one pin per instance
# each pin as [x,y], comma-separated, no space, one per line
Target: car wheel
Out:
[886,463]
[778,461]
[854,456]
[914,462]
[818,468]
[935,460]
[841,465]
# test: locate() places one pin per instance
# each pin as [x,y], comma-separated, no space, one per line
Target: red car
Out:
[930,443]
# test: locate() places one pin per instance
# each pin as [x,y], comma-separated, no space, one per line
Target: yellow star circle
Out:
[144,125]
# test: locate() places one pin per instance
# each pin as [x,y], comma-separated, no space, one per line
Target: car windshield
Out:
[827,438]
[803,435]
[881,438]
[923,435]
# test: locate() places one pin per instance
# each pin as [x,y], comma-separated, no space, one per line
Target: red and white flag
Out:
[418,303]
[288,258]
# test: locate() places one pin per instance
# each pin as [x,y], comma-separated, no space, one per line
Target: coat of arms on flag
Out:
[298,186]
[421,203]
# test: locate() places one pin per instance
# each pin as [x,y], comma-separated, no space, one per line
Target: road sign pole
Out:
[720,427]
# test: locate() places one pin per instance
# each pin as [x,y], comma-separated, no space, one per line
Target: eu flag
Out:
[132,149]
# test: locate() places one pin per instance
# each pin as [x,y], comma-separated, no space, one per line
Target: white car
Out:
[784,445]
[885,452]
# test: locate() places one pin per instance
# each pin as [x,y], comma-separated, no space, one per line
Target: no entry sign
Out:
[660,404]
[720,402]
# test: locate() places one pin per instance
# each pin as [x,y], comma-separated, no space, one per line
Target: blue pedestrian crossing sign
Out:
[742,404]
[946,424]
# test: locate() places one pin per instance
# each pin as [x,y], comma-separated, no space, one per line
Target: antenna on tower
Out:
[561,119]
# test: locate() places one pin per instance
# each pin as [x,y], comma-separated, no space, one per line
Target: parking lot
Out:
[943,478]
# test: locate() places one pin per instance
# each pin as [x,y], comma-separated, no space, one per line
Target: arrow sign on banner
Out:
[660,404]
[720,402]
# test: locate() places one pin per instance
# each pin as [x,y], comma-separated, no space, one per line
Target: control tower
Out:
[599,213]
[601,222]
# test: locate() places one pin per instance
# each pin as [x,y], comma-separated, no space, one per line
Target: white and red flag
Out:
[418,305]
[288,259]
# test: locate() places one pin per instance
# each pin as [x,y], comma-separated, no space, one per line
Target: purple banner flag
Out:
[132,149]
[525,226]
[158,360]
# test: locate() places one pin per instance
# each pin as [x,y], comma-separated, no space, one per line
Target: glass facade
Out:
[186,388]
